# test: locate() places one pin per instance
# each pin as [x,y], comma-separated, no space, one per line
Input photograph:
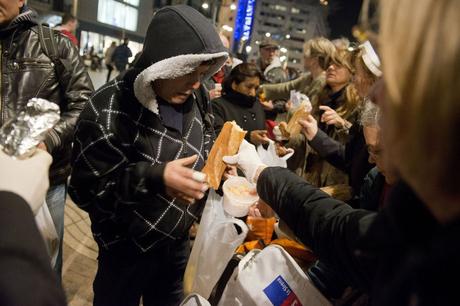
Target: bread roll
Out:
[227,143]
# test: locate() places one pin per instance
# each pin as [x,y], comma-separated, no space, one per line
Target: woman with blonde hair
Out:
[353,156]
[337,110]
[408,253]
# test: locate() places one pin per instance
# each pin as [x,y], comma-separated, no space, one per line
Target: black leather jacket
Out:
[27,72]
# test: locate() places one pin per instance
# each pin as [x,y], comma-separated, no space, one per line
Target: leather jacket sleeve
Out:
[331,228]
[76,88]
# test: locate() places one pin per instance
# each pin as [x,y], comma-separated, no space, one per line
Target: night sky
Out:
[343,15]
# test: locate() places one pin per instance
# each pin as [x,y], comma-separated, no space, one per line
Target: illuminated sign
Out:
[244,21]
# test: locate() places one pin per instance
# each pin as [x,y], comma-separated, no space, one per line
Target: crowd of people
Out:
[372,188]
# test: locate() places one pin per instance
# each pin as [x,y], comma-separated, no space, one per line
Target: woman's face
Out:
[361,79]
[337,76]
[248,87]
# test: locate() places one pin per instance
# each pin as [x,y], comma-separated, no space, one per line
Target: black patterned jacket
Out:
[120,151]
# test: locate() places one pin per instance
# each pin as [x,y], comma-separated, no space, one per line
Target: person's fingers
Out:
[332,122]
[188,160]
[324,107]
[304,124]
[231,160]
[328,117]
[199,176]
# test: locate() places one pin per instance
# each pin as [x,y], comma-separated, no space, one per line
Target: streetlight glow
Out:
[283,49]
[233,6]
[205,5]
[248,49]
[268,34]
[288,36]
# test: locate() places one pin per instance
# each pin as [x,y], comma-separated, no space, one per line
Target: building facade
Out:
[100,21]
[289,22]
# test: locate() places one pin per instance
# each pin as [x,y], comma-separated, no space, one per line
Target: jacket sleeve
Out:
[76,88]
[331,150]
[27,277]
[282,91]
[102,179]
[329,227]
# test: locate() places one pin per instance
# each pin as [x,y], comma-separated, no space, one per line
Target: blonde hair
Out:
[319,46]
[421,62]
[344,58]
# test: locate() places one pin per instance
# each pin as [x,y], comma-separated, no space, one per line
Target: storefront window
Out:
[118,14]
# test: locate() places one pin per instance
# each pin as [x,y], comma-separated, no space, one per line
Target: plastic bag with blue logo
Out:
[270,277]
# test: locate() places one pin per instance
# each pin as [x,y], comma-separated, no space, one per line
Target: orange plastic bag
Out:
[260,228]
[295,249]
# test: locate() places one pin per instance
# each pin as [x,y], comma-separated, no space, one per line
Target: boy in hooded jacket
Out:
[139,145]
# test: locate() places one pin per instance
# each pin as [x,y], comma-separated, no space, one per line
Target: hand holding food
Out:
[247,160]
[27,178]
[182,182]
[309,127]
[258,137]
[267,105]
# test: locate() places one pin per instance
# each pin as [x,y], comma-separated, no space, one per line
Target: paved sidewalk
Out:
[80,253]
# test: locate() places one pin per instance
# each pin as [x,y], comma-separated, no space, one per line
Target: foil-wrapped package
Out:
[20,135]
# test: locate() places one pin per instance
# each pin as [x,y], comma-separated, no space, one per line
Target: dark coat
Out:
[247,113]
[371,190]
[122,141]
[27,72]
[121,55]
[400,256]
[26,278]
[351,157]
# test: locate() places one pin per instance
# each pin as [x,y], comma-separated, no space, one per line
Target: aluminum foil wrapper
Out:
[20,135]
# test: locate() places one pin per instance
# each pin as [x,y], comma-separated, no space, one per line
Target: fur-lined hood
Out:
[178,40]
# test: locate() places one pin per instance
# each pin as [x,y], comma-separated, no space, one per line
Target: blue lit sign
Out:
[244,21]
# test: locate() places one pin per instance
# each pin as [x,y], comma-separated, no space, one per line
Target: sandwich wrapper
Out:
[19,138]
[20,135]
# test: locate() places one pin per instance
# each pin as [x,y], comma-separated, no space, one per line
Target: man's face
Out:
[374,147]
[73,25]
[9,9]
[268,53]
[177,91]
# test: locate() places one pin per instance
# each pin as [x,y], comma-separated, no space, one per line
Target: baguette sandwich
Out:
[227,143]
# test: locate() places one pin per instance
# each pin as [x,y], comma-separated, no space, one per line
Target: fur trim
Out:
[172,68]
[275,63]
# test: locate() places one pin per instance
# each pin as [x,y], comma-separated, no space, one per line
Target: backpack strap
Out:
[49,47]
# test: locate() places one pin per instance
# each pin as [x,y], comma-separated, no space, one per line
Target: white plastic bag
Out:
[270,277]
[214,246]
[47,229]
[195,300]
[297,98]
[270,158]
